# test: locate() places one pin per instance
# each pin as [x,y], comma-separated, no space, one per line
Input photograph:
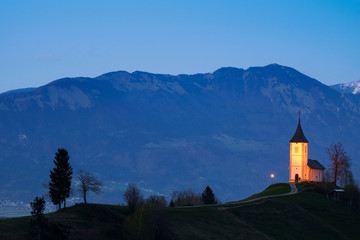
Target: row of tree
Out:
[191,198]
[135,199]
[148,219]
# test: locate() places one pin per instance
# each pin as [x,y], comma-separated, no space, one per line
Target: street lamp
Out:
[272,178]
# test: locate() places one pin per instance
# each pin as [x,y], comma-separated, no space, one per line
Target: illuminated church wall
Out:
[298,161]
[315,175]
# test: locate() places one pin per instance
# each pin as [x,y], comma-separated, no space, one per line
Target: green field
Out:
[305,215]
[274,189]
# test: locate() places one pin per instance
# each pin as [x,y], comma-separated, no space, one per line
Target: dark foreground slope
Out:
[306,215]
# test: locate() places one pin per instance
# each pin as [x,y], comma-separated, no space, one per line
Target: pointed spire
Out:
[299,134]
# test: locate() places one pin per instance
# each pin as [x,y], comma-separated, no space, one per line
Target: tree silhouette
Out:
[172,204]
[186,198]
[340,161]
[208,196]
[88,183]
[133,198]
[60,178]
[156,201]
[38,206]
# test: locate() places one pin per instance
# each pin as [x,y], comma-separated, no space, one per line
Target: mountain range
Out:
[229,129]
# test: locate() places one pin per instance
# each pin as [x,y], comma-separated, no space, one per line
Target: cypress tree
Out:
[208,196]
[60,178]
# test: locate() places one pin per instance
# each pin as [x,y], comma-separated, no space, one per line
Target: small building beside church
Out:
[301,167]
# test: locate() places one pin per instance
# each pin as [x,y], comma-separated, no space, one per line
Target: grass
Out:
[16,228]
[338,215]
[274,189]
[82,221]
[282,218]
[305,215]
[209,223]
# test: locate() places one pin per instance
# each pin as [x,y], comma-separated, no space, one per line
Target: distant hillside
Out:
[228,129]
[305,215]
[19,90]
[351,87]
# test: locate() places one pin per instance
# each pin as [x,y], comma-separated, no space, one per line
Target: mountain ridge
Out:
[227,129]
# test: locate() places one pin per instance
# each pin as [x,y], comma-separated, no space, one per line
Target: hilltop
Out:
[305,215]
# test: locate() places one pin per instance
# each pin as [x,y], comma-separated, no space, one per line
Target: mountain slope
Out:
[228,129]
[19,90]
[351,87]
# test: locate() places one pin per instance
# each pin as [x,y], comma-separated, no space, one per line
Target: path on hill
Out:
[293,190]
[242,203]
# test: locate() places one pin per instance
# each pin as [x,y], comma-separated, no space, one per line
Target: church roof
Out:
[314,164]
[299,135]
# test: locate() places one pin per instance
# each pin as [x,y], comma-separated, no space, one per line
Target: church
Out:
[301,167]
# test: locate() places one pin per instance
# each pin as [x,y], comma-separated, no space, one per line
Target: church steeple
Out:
[299,135]
[298,170]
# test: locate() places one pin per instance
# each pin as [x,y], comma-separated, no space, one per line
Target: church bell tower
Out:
[298,156]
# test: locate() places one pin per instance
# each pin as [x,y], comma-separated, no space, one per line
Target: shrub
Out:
[186,198]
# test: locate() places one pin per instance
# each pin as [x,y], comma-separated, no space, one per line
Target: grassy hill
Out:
[305,215]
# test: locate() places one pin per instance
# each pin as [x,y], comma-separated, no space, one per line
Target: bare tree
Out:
[186,198]
[133,197]
[156,201]
[88,183]
[340,161]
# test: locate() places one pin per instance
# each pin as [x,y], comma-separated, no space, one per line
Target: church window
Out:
[296,149]
[305,149]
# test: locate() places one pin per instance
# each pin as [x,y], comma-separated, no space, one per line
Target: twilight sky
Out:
[43,40]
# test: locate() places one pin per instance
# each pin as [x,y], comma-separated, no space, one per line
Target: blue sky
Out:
[41,41]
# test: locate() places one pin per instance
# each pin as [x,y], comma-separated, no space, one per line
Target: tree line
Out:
[135,199]
[147,218]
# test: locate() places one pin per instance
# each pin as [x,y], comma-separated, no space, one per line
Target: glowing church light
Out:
[272,178]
